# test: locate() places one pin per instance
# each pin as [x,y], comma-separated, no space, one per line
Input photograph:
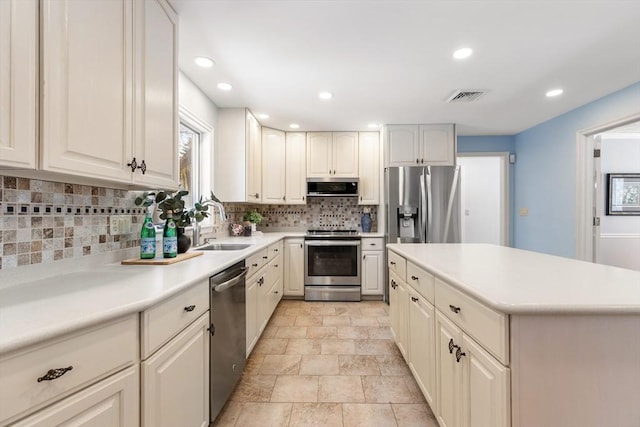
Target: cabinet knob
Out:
[421,160]
[52,374]
[372,244]
[414,299]
[414,278]
[451,346]
[417,160]
[459,354]
[455,309]
[189,308]
[392,262]
[143,167]
[284,198]
[275,292]
[265,257]
[256,195]
[133,165]
[275,265]
[254,265]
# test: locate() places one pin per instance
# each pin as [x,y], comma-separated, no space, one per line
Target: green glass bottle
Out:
[170,237]
[148,238]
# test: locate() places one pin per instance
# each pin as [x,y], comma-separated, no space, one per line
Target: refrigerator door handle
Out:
[429,205]
[423,208]
[452,195]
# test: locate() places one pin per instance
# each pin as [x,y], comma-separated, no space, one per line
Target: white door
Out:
[448,373]
[295,168]
[402,145]
[345,154]
[484,198]
[319,154]
[294,267]
[369,168]
[251,293]
[273,166]
[253,140]
[422,344]
[437,145]
[372,272]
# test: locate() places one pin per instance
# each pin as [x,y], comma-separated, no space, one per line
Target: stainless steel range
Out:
[332,265]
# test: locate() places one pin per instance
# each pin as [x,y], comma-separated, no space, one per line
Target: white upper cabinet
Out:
[295,168]
[273,166]
[420,145]
[18,82]
[109,90]
[332,154]
[369,168]
[238,157]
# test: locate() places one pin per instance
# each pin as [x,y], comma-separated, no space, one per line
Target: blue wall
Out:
[545,173]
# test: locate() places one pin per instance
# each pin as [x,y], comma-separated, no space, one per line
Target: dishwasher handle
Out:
[231,282]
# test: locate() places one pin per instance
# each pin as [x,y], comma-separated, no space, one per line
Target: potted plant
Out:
[167,201]
[252,217]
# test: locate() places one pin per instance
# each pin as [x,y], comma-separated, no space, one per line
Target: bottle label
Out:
[148,246]
[170,245]
[149,225]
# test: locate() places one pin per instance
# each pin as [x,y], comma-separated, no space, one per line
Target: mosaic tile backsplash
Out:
[43,221]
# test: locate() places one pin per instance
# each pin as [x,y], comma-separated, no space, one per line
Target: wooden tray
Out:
[161,261]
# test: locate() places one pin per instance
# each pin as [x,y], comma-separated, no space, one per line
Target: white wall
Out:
[619,235]
[196,102]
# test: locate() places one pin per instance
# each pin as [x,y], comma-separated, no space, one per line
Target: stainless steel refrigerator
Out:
[423,204]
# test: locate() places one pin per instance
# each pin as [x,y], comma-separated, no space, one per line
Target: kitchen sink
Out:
[223,247]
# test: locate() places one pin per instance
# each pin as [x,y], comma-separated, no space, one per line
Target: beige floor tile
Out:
[322,310]
[342,320]
[322,332]
[353,332]
[254,388]
[388,390]
[340,389]
[270,346]
[252,366]
[303,346]
[269,331]
[414,389]
[295,388]
[280,364]
[342,311]
[358,365]
[265,414]
[380,333]
[392,364]
[282,320]
[354,310]
[414,415]
[229,414]
[384,320]
[319,364]
[308,320]
[316,415]
[363,321]
[291,332]
[367,415]
[373,347]
[373,311]
[297,311]
[329,346]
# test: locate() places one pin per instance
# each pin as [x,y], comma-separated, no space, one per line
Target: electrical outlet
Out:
[125,224]
[119,224]
[524,211]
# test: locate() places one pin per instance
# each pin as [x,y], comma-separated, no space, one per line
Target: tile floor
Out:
[327,364]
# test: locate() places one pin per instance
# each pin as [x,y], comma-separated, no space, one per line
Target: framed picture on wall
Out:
[623,194]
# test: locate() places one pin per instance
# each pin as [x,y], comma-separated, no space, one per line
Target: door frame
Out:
[584,184]
[504,191]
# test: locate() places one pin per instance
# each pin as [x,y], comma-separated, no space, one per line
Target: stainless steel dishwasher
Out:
[228,333]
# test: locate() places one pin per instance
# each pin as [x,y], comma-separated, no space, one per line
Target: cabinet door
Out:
[273,166]
[254,159]
[319,154]
[345,154]
[295,168]
[485,388]
[369,167]
[175,380]
[156,138]
[18,82]
[88,96]
[263,304]
[437,144]
[252,312]
[448,373]
[294,267]
[398,312]
[112,402]
[402,145]
[372,272]
[422,344]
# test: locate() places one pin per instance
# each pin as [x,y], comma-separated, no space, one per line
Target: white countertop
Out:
[520,282]
[65,302]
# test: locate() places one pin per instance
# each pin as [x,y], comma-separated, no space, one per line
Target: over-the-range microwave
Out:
[332,187]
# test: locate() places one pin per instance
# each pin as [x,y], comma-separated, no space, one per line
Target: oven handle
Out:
[332,243]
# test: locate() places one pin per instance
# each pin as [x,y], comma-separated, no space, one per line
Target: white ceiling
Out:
[391,61]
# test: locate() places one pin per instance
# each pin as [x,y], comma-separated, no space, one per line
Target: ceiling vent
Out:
[465,95]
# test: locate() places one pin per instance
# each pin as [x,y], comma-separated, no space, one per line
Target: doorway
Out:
[484,197]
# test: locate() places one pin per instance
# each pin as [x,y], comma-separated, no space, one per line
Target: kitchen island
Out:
[505,337]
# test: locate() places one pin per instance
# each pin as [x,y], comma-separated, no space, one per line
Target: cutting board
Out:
[161,261]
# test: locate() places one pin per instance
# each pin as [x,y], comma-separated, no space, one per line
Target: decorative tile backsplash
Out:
[43,221]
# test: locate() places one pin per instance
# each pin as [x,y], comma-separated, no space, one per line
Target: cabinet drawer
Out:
[274,250]
[256,261]
[372,243]
[91,354]
[164,320]
[422,281]
[397,264]
[484,324]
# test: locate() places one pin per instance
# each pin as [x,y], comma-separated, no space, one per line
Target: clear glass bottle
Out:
[148,238]
[170,237]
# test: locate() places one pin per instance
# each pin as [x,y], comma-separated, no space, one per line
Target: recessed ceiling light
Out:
[263,116]
[554,92]
[373,125]
[204,62]
[224,86]
[294,126]
[462,53]
[325,95]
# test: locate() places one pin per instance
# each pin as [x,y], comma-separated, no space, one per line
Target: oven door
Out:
[332,262]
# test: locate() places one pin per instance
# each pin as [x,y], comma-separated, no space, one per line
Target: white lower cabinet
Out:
[294,267]
[448,376]
[251,294]
[175,380]
[422,344]
[112,402]
[372,272]
[398,306]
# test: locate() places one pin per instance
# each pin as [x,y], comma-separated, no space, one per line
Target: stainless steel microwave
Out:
[332,187]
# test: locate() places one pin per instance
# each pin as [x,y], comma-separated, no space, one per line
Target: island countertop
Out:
[516,281]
